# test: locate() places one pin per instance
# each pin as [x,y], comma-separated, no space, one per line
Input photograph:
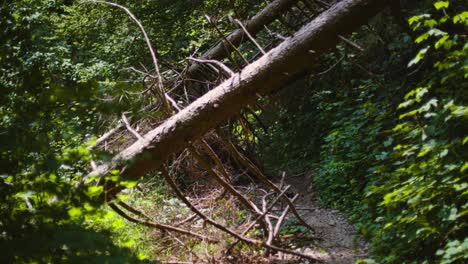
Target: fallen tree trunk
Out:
[270,72]
[222,49]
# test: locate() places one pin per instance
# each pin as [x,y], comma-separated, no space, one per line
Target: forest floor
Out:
[337,241]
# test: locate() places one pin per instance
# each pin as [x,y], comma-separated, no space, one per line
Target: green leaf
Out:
[422,37]
[461,18]
[94,190]
[75,212]
[464,167]
[441,4]
[419,56]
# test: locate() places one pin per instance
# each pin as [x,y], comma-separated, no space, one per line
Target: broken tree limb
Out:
[259,175]
[161,227]
[272,71]
[244,200]
[253,26]
[223,228]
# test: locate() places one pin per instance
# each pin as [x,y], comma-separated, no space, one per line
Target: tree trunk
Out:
[275,69]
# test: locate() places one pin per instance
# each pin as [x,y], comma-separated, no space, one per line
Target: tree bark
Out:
[272,71]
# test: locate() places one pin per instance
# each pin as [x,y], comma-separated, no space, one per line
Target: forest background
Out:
[382,128]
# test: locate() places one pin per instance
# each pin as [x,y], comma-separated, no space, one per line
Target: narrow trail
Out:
[338,242]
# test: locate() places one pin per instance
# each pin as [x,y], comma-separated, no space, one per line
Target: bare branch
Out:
[105,136]
[250,36]
[173,102]
[332,67]
[215,62]
[161,227]
[129,128]
[249,165]
[265,211]
[282,217]
[251,241]
[226,39]
[351,43]
[148,43]
[222,182]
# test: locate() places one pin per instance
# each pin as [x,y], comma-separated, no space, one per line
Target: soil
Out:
[337,241]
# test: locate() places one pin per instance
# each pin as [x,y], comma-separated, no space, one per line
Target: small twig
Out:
[226,39]
[282,217]
[222,182]
[331,67]
[186,220]
[215,62]
[133,210]
[283,176]
[139,93]
[265,211]
[141,72]
[161,227]
[184,245]
[254,242]
[351,43]
[148,43]
[275,34]
[248,164]
[250,36]
[299,209]
[182,197]
[129,128]
[105,136]
[173,102]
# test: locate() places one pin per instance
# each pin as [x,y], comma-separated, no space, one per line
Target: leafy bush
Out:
[398,169]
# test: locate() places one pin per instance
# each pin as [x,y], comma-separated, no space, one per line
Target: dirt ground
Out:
[338,241]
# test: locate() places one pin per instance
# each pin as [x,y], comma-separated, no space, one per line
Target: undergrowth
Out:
[392,144]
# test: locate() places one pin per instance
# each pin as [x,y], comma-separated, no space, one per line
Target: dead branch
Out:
[192,253]
[161,227]
[173,102]
[105,136]
[263,215]
[268,73]
[215,62]
[331,67]
[149,45]
[133,210]
[225,39]
[215,158]
[129,128]
[250,36]
[282,217]
[244,200]
[250,241]
[265,211]
[351,43]
[258,173]
[186,220]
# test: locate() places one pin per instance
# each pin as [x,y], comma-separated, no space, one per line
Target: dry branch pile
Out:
[223,82]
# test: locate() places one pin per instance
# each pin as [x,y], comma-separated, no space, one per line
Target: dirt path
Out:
[338,243]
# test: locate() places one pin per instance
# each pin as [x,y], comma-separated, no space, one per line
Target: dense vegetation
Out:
[383,129]
[387,142]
